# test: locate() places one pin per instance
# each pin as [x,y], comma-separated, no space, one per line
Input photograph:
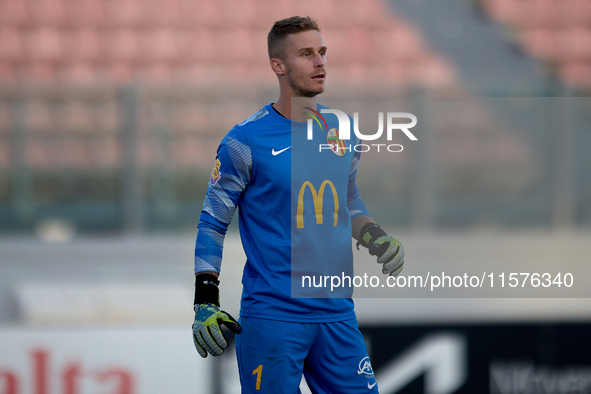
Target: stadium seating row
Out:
[52,44]
[429,70]
[558,45]
[163,41]
[554,31]
[136,13]
[388,55]
[205,42]
[400,41]
[540,13]
[92,121]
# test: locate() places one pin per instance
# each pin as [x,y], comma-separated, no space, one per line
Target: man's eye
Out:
[322,53]
[306,54]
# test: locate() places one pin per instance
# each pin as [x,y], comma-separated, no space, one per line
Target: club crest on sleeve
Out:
[337,145]
[215,174]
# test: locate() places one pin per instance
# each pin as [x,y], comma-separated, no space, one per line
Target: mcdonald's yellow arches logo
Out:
[318,200]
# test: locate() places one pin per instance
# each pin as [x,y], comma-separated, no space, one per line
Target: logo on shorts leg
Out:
[365,367]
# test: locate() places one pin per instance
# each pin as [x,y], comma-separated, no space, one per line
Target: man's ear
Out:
[277,66]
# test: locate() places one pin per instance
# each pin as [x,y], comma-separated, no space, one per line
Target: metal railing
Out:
[138,158]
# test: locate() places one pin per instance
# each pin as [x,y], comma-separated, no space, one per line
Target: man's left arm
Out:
[389,251]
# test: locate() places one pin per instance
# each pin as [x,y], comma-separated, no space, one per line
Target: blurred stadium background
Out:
[110,115]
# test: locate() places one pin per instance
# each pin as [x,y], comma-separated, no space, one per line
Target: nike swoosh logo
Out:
[276,152]
[370,386]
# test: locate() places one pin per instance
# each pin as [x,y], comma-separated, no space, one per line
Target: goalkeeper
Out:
[282,337]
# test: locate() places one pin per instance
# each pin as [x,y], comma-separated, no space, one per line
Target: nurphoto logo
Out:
[343,133]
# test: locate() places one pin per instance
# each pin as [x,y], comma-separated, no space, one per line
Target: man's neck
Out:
[283,106]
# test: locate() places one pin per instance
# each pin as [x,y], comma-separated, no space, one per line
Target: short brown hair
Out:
[285,27]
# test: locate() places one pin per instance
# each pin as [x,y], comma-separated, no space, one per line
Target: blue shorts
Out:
[272,355]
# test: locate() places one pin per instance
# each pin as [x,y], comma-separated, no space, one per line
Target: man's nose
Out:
[320,61]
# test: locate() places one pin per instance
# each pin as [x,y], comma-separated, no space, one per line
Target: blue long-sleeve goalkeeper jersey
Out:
[290,192]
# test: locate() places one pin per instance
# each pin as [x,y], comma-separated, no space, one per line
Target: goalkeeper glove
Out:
[389,250]
[207,333]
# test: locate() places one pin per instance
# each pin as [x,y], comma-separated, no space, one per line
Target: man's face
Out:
[305,63]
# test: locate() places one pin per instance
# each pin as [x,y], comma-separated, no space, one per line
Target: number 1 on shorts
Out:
[259,372]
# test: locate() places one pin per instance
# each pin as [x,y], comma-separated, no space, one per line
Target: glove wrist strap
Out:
[206,290]
[368,234]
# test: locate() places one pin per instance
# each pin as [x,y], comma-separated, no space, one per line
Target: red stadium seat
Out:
[14,13]
[120,45]
[158,44]
[327,12]
[236,45]
[576,43]
[47,12]
[505,11]
[274,10]
[579,12]
[163,13]
[368,14]
[362,46]
[84,44]
[338,49]
[86,13]
[552,30]
[400,43]
[243,13]
[541,43]
[189,11]
[10,45]
[204,13]
[38,72]
[127,13]
[544,13]
[43,44]
[198,45]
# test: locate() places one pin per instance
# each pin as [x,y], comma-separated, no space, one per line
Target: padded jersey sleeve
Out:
[230,177]
[354,201]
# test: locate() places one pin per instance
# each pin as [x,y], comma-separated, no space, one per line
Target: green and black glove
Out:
[389,250]
[207,333]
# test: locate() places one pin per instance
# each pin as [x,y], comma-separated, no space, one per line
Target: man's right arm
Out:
[230,177]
